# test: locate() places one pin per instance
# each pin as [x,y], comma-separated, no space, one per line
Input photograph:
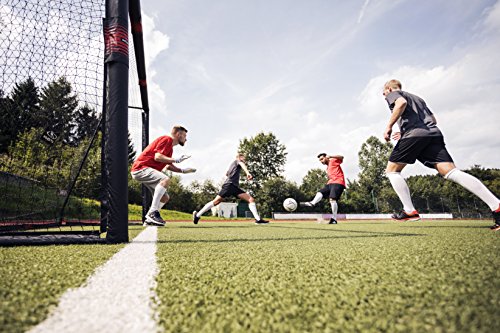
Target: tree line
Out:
[44,134]
[42,129]
[371,192]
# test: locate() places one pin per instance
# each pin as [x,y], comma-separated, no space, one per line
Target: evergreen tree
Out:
[86,121]
[19,112]
[58,107]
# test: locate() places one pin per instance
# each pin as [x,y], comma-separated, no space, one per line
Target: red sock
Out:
[498,210]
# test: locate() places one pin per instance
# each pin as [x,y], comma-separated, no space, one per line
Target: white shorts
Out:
[149,177]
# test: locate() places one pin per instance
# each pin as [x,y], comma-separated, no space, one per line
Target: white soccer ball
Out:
[290,204]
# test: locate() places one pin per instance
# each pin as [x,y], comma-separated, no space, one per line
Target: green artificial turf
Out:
[436,276]
[32,278]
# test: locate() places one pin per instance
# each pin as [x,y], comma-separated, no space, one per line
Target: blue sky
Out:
[312,72]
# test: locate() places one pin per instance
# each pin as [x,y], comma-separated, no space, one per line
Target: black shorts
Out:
[428,150]
[229,190]
[333,191]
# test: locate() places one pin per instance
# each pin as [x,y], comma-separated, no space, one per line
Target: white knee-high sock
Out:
[253,209]
[335,208]
[474,185]
[159,192]
[402,190]
[205,208]
[317,198]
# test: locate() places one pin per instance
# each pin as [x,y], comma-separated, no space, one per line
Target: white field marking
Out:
[118,297]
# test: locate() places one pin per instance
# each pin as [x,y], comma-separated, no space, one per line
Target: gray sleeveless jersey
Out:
[233,173]
[416,120]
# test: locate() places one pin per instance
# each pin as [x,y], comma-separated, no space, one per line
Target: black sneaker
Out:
[195,218]
[261,221]
[496,227]
[332,221]
[154,218]
[496,217]
[306,204]
[404,216]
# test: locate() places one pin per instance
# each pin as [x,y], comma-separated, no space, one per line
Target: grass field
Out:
[366,276]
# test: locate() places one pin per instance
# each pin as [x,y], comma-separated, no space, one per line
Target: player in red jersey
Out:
[334,187]
[147,169]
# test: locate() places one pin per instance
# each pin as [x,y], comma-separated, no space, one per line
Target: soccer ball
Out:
[290,204]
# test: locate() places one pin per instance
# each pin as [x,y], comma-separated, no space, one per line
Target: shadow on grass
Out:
[449,226]
[203,226]
[334,229]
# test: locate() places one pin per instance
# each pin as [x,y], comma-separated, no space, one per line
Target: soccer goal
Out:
[64,110]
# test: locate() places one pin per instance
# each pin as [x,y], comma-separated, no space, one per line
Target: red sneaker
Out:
[404,216]
[496,218]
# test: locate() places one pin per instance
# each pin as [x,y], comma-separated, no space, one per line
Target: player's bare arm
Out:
[399,108]
[173,168]
[244,167]
[165,159]
[338,157]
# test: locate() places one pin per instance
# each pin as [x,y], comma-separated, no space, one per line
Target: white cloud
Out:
[492,21]
[305,93]
[362,11]
[464,97]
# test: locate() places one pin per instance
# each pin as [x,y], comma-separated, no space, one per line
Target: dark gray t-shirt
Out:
[233,173]
[416,120]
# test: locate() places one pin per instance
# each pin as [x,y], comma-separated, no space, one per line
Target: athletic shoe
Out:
[261,221]
[306,204]
[332,221]
[496,217]
[404,216]
[148,224]
[195,218]
[154,218]
[496,227]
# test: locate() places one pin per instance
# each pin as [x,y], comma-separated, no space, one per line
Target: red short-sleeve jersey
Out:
[162,145]
[335,173]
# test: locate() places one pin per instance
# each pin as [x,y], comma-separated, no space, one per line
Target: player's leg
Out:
[163,201]
[253,207]
[437,156]
[160,193]
[157,182]
[317,198]
[336,191]
[335,207]
[209,205]
[393,172]
[449,171]
[405,152]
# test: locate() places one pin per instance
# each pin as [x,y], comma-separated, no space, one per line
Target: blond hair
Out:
[394,84]
[178,128]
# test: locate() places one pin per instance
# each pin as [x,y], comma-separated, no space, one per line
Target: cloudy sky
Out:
[312,72]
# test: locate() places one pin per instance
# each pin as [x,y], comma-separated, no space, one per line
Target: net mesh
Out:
[51,93]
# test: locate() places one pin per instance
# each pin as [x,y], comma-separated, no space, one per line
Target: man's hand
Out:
[387,134]
[396,136]
[182,158]
[188,170]
[249,177]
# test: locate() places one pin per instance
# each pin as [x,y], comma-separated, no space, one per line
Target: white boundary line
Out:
[118,297]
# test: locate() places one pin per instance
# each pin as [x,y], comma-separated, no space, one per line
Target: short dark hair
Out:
[322,154]
[178,128]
